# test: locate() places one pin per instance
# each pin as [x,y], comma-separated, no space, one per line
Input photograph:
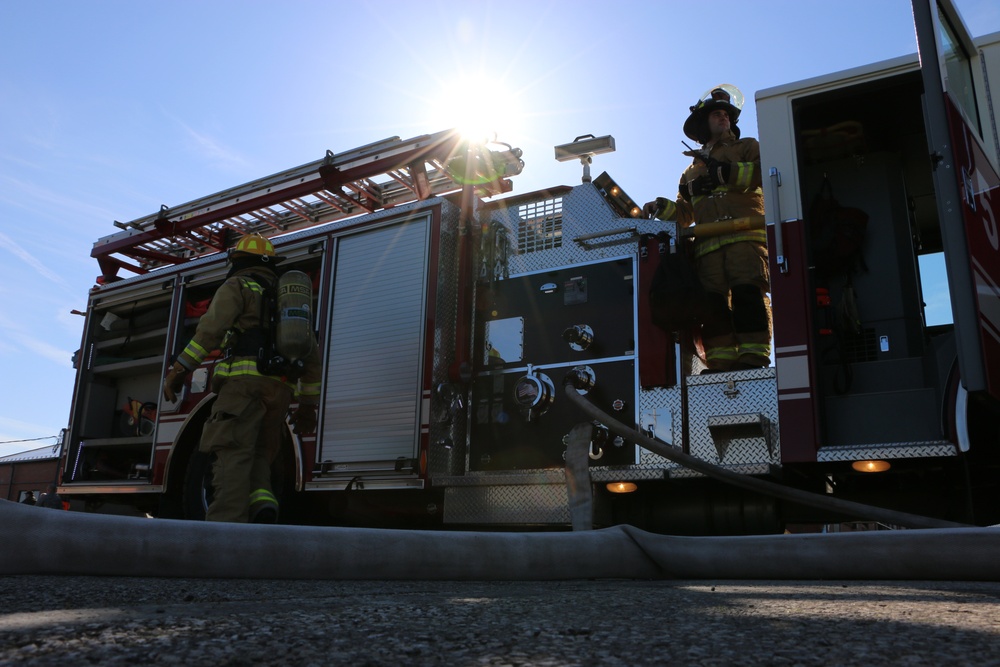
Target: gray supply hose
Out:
[754,484]
[54,542]
[59,542]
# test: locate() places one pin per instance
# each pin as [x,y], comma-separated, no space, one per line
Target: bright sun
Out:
[478,106]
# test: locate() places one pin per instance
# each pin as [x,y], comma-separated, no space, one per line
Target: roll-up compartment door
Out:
[376,343]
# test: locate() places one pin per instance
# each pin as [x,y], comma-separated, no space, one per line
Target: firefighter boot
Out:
[717,334]
[263,507]
[752,323]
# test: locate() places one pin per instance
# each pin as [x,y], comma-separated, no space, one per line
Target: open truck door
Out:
[961,135]
[877,380]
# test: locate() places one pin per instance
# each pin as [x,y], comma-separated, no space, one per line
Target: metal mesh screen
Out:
[539,226]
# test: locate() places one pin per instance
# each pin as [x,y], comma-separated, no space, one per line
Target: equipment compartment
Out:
[120,371]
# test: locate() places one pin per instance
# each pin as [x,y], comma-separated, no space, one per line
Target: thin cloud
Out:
[210,148]
[19,338]
[54,354]
[31,260]
[213,150]
[38,199]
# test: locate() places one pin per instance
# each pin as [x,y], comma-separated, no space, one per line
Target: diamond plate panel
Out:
[709,406]
[734,417]
[510,504]
[636,472]
[888,451]
[656,401]
[519,478]
[747,469]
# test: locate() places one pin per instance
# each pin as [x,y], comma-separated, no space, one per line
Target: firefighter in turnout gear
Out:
[244,432]
[723,183]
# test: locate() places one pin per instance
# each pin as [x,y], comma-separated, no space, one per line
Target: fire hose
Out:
[55,542]
[746,482]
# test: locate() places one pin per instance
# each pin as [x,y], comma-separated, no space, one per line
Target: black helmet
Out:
[724,96]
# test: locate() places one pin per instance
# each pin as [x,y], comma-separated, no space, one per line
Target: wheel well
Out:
[184,446]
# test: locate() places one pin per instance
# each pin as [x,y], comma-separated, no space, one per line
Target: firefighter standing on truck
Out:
[723,183]
[244,430]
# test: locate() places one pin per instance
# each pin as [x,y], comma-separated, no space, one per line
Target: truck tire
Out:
[197,486]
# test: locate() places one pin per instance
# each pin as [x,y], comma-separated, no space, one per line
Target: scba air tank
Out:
[294,337]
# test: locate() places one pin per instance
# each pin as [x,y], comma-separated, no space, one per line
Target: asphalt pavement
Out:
[70,620]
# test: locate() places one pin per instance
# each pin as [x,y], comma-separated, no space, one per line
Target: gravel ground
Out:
[69,621]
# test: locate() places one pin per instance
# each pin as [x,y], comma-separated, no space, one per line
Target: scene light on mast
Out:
[584,148]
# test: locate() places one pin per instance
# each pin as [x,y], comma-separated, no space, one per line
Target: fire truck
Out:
[449,311]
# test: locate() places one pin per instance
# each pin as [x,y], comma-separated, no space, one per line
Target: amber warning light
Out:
[622,204]
[871,466]
[622,487]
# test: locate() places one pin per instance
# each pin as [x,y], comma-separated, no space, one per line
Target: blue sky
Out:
[109,109]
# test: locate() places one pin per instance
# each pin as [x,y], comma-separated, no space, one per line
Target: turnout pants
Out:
[244,432]
[736,330]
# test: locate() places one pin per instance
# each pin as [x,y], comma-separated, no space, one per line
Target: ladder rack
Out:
[334,187]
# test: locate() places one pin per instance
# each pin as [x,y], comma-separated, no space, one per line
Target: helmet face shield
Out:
[724,96]
[725,93]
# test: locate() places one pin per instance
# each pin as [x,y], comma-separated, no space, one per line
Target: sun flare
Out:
[478,106]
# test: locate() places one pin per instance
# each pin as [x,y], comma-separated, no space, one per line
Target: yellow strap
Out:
[704,229]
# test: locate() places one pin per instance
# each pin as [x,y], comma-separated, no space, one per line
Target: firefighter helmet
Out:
[724,96]
[254,244]
[252,250]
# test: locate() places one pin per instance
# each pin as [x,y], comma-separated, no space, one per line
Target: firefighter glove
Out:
[718,172]
[303,419]
[174,381]
[685,190]
[700,186]
[654,208]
